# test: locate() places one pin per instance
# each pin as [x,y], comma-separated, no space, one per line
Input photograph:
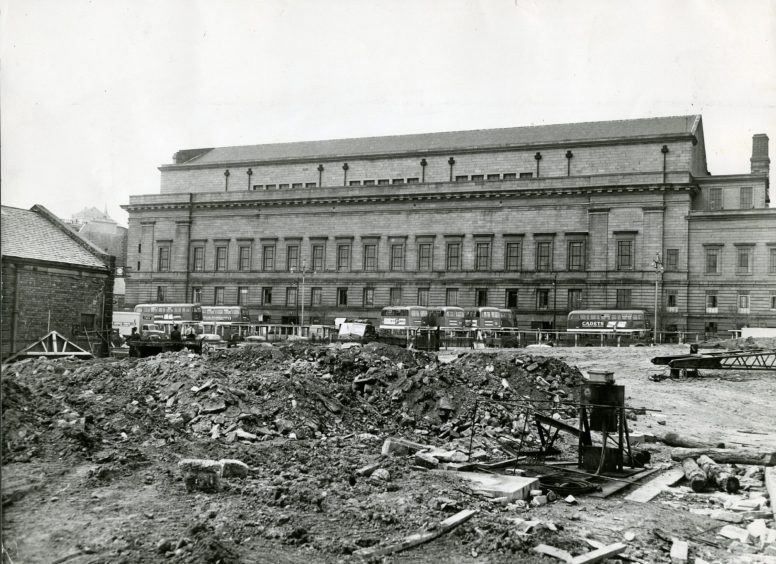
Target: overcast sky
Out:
[95,95]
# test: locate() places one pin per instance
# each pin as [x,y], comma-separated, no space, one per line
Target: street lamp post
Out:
[657,263]
[554,300]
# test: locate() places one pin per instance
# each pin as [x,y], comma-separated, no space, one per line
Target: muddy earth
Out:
[91,454]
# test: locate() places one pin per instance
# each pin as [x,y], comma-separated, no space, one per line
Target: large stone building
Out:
[52,279]
[541,219]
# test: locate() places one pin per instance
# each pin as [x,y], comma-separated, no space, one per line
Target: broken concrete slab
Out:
[496,485]
[401,447]
[425,460]
[679,549]
[231,468]
[733,532]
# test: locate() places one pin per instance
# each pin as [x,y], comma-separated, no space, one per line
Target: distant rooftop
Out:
[28,234]
[451,140]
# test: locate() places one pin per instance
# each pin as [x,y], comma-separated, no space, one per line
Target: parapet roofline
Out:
[538,136]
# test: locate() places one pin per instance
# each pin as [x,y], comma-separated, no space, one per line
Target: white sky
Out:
[95,95]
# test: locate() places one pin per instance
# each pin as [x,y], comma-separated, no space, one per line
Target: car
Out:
[211,341]
[152,335]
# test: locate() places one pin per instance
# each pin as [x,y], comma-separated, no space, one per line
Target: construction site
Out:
[303,452]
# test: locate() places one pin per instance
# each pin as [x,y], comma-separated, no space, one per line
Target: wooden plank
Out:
[649,490]
[554,552]
[600,554]
[613,487]
[418,538]
[770,485]
[731,456]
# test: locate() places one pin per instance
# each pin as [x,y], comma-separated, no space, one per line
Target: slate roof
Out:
[452,140]
[29,234]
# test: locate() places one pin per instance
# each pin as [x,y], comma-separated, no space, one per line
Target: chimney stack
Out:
[761,163]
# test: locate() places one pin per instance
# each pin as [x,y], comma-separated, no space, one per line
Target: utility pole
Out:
[657,263]
[554,300]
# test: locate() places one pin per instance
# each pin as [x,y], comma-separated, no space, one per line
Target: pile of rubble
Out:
[70,407]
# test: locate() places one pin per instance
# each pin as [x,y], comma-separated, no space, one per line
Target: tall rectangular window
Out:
[743,302]
[219,296]
[743,260]
[199,259]
[772,260]
[343,257]
[266,296]
[483,257]
[773,301]
[511,299]
[451,297]
[576,255]
[342,296]
[220,258]
[244,261]
[712,260]
[544,255]
[164,259]
[316,296]
[542,299]
[575,299]
[196,295]
[513,257]
[397,257]
[745,197]
[161,294]
[623,298]
[712,304]
[423,297]
[625,255]
[292,257]
[242,295]
[395,296]
[481,297]
[672,259]
[453,261]
[317,252]
[424,256]
[369,297]
[715,198]
[370,257]
[268,258]
[672,301]
[291,296]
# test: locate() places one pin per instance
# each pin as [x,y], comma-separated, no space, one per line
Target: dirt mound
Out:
[68,407]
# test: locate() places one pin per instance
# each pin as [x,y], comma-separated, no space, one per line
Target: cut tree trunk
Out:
[694,475]
[728,456]
[676,440]
[724,480]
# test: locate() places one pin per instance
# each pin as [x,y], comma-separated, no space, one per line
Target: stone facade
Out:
[562,218]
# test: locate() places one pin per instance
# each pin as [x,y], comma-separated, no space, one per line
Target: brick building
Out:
[541,219]
[52,279]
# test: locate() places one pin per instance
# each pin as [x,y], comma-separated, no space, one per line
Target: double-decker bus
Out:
[403,317]
[508,318]
[448,317]
[608,321]
[631,323]
[226,321]
[483,318]
[186,316]
[403,325]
